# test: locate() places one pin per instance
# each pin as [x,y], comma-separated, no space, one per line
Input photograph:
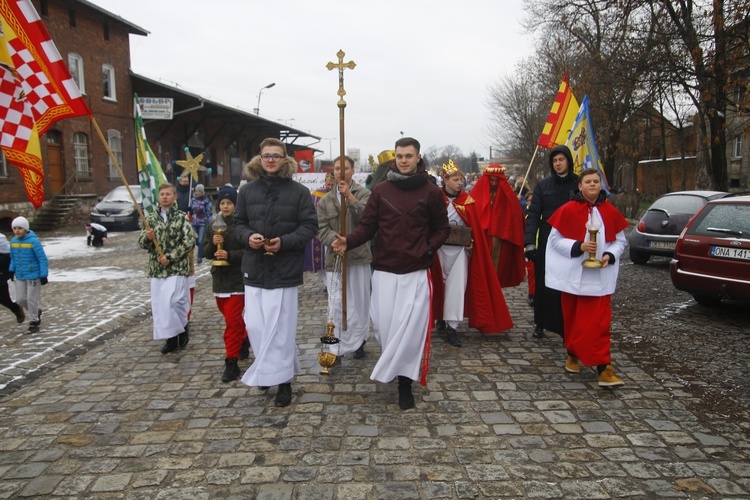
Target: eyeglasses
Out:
[271,157]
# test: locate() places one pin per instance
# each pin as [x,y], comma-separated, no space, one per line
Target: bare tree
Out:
[705,41]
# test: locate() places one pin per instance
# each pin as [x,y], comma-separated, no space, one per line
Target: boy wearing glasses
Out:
[276,217]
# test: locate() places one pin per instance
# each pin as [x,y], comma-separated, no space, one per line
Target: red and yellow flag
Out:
[561,117]
[36,90]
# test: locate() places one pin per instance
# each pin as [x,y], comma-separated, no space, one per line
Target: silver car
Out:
[658,229]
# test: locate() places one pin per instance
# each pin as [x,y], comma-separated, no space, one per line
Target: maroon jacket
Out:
[408,219]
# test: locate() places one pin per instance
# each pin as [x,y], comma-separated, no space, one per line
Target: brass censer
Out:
[326,358]
[220,228]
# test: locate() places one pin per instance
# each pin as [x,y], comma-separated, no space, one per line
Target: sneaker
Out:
[170,345]
[231,370]
[538,332]
[33,327]
[440,325]
[571,365]
[607,378]
[283,395]
[20,315]
[452,337]
[360,352]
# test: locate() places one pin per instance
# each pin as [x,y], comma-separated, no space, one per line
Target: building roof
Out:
[132,28]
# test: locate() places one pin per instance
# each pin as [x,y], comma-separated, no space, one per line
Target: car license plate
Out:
[665,245]
[731,253]
[107,219]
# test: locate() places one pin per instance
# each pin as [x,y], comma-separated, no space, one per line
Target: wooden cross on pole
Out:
[341,65]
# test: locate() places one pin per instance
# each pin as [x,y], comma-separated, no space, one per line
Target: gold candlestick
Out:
[591,262]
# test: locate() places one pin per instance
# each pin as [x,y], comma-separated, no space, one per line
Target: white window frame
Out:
[737,146]
[114,139]
[75,66]
[81,155]
[108,71]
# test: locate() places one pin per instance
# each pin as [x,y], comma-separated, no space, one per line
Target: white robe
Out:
[357,308]
[400,311]
[455,266]
[568,274]
[170,303]
[271,322]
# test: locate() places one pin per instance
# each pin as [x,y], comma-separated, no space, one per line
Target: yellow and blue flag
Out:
[582,143]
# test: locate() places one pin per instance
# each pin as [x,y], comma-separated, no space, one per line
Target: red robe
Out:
[502,219]
[484,302]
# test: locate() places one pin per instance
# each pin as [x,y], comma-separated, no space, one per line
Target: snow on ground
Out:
[88,274]
[72,246]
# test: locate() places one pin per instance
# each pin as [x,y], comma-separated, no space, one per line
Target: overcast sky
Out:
[423,66]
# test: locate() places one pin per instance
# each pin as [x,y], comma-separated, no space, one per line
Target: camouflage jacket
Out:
[176,240]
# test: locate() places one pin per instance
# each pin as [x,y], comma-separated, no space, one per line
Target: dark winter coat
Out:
[275,206]
[408,218]
[226,279]
[550,193]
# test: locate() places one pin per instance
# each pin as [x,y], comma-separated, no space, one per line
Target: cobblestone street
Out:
[92,409]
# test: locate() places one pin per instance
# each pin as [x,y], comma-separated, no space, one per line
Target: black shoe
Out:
[263,387]
[360,352]
[531,301]
[440,325]
[538,332]
[33,327]
[183,338]
[231,370]
[20,315]
[452,337]
[283,395]
[245,349]
[170,345]
[405,396]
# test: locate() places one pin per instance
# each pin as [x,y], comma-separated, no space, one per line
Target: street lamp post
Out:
[260,93]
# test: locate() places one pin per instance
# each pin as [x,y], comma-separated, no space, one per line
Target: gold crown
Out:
[495,168]
[386,156]
[450,169]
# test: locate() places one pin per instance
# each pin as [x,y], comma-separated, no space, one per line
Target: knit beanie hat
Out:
[200,187]
[227,192]
[20,222]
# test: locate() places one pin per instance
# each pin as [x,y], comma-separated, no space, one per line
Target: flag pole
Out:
[528,169]
[124,181]
[342,163]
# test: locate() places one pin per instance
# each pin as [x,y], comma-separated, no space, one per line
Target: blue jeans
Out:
[201,232]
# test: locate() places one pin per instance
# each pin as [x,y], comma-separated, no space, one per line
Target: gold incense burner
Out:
[326,358]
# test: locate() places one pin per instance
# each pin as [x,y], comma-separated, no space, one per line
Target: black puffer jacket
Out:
[276,207]
[550,193]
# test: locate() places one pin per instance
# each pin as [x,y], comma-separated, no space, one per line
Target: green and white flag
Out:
[150,174]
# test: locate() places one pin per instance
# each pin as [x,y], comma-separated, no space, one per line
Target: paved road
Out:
[498,418]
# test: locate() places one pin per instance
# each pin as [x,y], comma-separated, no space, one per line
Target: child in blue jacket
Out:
[28,263]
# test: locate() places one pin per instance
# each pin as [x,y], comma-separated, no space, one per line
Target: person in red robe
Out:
[502,221]
[481,293]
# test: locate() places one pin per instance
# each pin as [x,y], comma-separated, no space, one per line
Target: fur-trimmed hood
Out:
[254,170]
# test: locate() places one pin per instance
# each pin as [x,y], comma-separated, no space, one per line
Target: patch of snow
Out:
[88,274]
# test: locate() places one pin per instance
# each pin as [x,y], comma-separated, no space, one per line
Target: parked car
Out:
[116,210]
[658,229]
[712,257]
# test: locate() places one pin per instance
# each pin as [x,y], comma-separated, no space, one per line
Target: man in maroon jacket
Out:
[406,214]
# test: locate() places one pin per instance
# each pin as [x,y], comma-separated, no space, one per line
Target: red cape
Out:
[505,220]
[571,218]
[484,302]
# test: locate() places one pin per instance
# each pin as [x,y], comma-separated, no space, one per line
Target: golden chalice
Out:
[220,227]
[326,358]
[591,262]
[267,242]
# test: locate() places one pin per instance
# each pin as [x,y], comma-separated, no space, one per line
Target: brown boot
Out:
[607,378]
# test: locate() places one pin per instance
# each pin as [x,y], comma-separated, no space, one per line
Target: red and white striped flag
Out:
[36,90]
